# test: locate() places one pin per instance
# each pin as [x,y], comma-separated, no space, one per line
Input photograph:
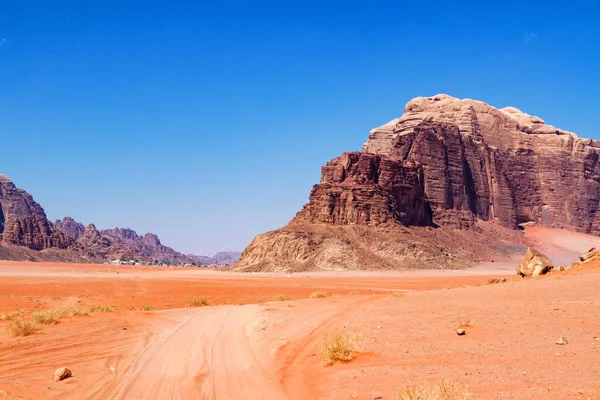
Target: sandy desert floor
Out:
[248,346]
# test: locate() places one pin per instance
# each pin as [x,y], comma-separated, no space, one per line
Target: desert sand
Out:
[245,345]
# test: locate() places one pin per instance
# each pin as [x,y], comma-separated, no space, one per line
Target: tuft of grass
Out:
[95,308]
[440,390]
[339,346]
[48,317]
[147,308]
[353,293]
[397,294]
[282,297]
[318,295]
[9,316]
[198,302]
[22,327]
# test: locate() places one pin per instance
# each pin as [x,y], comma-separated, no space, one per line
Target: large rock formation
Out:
[446,163]
[23,222]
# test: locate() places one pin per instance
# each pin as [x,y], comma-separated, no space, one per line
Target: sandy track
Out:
[198,354]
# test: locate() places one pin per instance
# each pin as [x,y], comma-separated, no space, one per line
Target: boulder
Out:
[590,255]
[534,264]
[62,373]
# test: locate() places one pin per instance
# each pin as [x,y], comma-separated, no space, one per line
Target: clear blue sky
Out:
[208,124]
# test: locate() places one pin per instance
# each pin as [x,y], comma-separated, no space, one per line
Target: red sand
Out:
[271,351]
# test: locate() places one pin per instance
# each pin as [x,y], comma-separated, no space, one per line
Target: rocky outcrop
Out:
[23,222]
[484,163]
[368,189]
[534,263]
[446,163]
[70,227]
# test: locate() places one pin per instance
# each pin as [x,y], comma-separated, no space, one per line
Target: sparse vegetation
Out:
[353,293]
[9,316]
[98,308]
[198,302]
[148,308]
[339,346]
[397,294]
[48,317]
[282,297]
[318,295]
[22,327]
[439,390]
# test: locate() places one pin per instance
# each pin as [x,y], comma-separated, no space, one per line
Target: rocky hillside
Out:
[448,168]
[23,222]
[27,234]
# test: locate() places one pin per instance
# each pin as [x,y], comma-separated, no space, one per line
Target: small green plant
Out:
[318,295]
[282,297]
[437,390]
[198,302]
[339,346]
[22,327]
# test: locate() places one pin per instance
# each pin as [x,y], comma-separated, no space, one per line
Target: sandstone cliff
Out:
[23,222]
[449,165]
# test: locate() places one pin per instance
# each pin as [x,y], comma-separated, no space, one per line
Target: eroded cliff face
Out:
[23,222]
[495,164]
[368,189]
[447,163]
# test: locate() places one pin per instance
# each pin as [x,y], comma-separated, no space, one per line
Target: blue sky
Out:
[208,124]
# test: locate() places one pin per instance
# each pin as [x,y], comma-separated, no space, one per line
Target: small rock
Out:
[62,373]
[461,332]
[562,340]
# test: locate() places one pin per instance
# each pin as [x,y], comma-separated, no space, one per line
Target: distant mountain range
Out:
[27,234]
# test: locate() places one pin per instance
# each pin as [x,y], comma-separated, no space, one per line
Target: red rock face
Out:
[445,163]
[368,189]
[480,162]
[23,222]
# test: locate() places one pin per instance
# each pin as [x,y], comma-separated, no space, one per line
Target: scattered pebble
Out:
[461,332]
[562,340]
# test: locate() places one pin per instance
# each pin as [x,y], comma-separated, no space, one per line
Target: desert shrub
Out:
[22,327]
[9,316]
[282,297]
[147,308]
[198,302]
[98,308]
[434,390]
[339,346]
[47,317]
[318,295]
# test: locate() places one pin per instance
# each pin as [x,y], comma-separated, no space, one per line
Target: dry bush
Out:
[318,295]
[22,327]
[339,346]
[198,302]
[9,316]
[98,308]
[147,308]
[282,297]
[47,317]
[397,294]
[438,390]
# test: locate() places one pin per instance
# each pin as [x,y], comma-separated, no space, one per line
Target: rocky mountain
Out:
[27,234]
[23,222]
[447,173]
